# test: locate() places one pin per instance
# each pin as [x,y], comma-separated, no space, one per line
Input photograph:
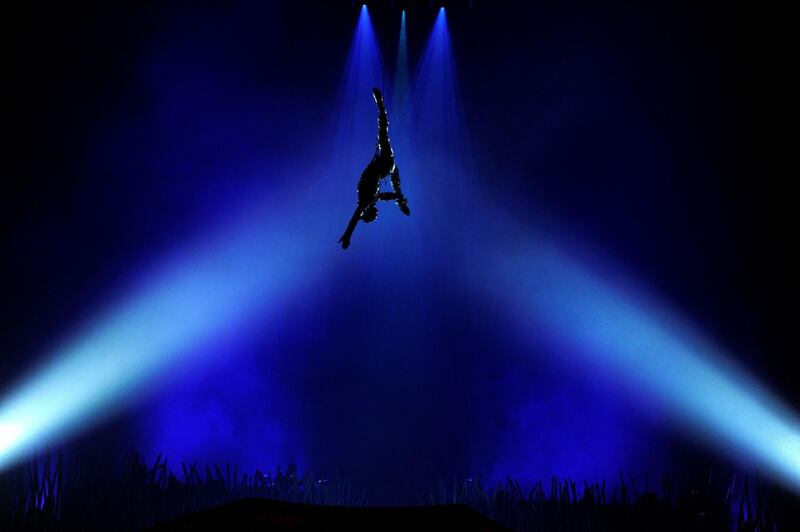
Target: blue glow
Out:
[210,416]
[437,114]
[364,65]
[583,441]
[606,326]
[401,70]
[243,273]
[600,325]
[354,114]
[196,297]
[402,274]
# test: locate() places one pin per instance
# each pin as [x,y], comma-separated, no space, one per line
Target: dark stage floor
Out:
[262,514]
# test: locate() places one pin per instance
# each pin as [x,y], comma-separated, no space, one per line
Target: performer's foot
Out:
[378,96]
[404,207]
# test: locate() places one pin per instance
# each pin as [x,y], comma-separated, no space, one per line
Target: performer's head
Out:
[369,214]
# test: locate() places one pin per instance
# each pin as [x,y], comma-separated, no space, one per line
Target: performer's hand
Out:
[345,242]
[404,207]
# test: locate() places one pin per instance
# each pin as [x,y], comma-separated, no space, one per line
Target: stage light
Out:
[196,297]
[435,101]
[363,70]
[400,89]
[355,111]
[603,325]
[245,271]
[238,275]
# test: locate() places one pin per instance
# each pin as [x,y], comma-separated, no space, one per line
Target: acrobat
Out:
[379,168]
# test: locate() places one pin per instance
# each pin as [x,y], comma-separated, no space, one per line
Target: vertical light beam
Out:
[241,273]
[612,329]
[401,69]
[442,156]
[354,115]
[435,98]
[364,68]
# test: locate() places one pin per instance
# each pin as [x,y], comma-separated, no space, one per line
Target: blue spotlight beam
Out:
[435,99]
[441,161]
[610,328]
[239,274]
[620,332]
[400,126]
[364,68]
[401,70]
[355,112]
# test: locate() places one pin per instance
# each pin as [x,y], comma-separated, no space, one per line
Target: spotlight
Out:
[222,282]
[196,297]
[622,334]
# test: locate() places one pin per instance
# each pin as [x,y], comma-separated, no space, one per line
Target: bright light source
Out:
[196,297]
[242,273]
[620,333]
[604,326]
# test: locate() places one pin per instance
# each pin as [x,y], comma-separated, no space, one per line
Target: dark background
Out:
[664,134]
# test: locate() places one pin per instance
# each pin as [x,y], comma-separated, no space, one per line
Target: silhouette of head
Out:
[369,214]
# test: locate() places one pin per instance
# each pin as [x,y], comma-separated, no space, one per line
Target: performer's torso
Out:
[370,182]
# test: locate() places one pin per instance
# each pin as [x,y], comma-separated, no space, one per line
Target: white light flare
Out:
[213,288]
[624,334]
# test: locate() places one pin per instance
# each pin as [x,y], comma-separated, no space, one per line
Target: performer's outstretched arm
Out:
[351,226]
[401,199]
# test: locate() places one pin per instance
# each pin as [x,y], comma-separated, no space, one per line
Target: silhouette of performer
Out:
[379,168]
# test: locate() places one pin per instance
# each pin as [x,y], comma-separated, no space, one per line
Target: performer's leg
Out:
[401,199]
[383,126]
